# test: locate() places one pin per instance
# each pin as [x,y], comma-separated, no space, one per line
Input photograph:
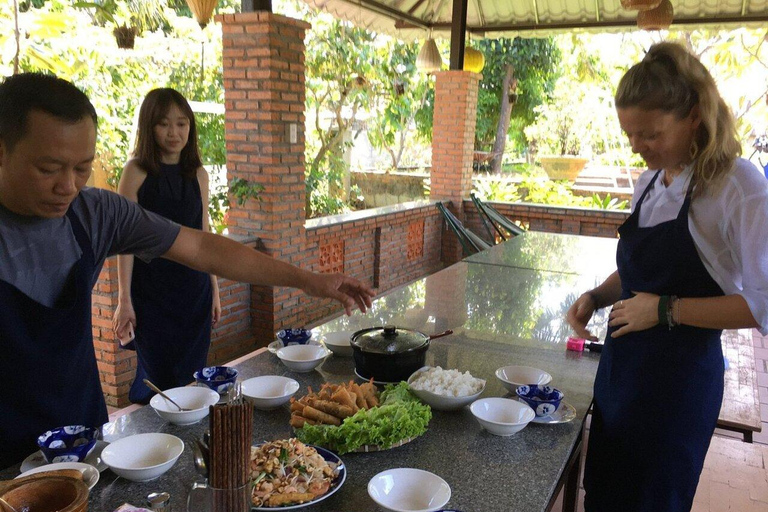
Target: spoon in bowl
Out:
[157,390]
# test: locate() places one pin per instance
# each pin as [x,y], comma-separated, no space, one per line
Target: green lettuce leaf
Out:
[399,416]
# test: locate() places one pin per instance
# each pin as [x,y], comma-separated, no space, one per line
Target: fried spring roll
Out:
[298,421]
[359,398]
[321,417]
[297,407]
[332,408]
[369,393]
[343,397]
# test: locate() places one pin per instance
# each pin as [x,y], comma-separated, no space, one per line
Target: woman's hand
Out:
[124,322]
[347,290]
[216,308]
[636,314]
[579,315]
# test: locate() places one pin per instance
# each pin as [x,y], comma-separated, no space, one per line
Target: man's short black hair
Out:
[21,94]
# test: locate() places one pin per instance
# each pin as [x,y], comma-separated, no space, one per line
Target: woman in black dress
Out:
[691,262]
[168,306]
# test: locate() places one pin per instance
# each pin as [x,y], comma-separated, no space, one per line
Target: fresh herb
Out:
[260,477]
[301,468]
[400,416]
[283,457]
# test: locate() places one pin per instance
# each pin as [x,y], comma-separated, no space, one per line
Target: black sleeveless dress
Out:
[172,302]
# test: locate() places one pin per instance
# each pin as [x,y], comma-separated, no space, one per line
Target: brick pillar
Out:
[453,144]
[116,365]
[263,58]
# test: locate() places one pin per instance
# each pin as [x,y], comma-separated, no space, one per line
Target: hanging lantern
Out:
[429,58]
[639,5]
[659,18]
[474,60]
[202,9]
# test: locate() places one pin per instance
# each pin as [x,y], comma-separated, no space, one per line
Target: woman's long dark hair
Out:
[155,107]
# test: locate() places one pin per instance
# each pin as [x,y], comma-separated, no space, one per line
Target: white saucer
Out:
[90,473]
[277,344]
[377,382]
[37,459]
[565,413]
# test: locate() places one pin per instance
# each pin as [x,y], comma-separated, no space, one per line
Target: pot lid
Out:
[389,340]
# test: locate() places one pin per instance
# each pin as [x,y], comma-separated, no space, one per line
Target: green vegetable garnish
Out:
[399,416]
[283,457]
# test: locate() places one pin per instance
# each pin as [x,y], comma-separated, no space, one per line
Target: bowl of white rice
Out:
[445,390]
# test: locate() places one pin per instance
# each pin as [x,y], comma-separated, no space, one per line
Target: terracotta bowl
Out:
[48,494]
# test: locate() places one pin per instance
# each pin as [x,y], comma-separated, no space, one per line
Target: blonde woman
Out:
[691,262]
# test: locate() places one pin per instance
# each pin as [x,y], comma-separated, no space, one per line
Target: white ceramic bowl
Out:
[442,402]
[502,416]
[196,398]
[513,376]
[338,342]
[409,490]
[269,391]
[143,457]
[302,358]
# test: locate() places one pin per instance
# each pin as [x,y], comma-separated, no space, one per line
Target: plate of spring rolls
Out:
[353,417]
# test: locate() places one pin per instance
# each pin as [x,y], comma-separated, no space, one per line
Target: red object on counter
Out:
[575,344]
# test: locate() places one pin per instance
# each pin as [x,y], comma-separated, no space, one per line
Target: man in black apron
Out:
[54,237]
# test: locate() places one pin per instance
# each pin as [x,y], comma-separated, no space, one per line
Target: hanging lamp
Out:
[474,60]
[202,10]
[659,18]
[429,58]
[639,5]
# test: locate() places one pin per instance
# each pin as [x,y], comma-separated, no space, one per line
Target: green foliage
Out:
[218,202]
[535,67]
[492,188]
[555,193]
[608,203]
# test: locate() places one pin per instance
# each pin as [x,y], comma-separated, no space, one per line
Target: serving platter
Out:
[37,459]
[336,483]
[367,448]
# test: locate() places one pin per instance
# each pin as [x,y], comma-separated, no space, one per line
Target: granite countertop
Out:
[500,316]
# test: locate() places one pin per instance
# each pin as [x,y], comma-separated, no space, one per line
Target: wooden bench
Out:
[740,411]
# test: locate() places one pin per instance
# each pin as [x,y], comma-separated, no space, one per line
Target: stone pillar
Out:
[263,58]
[453,144]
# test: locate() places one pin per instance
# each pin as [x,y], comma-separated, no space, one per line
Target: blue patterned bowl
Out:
[71,443]
[294,336]
[218,378]
[544,400]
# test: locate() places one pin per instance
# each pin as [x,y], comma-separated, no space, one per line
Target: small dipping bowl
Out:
[409,490]
[294,336]
[544,400]
[143,457]
[302,358]
[218,378]
[71,443]
[269,391]
[512,377]
[501,416]
[190,397]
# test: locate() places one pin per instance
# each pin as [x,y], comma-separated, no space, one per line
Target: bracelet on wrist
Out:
[663,310]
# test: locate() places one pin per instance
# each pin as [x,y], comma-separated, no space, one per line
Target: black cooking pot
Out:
[390,354]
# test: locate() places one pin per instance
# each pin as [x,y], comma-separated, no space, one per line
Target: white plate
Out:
[37,459]
[565,413]
[377,382]
[277,345]
[90,473]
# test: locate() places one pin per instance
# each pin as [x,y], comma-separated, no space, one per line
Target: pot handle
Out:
[444,333]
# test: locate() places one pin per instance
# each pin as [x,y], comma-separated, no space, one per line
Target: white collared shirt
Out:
[729,229]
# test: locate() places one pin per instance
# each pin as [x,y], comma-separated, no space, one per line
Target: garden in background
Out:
[368,107]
